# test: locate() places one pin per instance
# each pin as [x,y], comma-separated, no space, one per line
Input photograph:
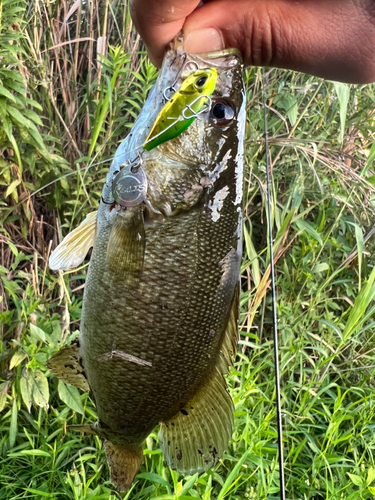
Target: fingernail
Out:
[204,40]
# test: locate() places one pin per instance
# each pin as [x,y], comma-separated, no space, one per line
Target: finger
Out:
[331,39]
[159,21]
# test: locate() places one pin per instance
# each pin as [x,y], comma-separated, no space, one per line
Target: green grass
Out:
[72,111]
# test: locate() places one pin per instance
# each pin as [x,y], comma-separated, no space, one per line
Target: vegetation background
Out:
[73,78]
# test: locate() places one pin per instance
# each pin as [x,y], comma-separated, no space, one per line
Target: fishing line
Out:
[274,312]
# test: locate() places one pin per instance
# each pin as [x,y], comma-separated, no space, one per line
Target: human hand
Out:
[333,39]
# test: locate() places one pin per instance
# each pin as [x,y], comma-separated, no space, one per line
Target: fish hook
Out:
[274,311]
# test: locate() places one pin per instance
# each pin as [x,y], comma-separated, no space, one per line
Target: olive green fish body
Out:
[160,309]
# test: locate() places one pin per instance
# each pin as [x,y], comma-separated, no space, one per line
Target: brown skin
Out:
[333,39]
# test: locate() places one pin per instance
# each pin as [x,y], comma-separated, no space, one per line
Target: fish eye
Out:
[222,113]
[201,81]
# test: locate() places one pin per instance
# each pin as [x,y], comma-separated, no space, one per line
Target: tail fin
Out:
[124,463]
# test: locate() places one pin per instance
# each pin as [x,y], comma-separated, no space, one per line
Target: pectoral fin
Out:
[194,439]
[66,365]
[87,429]
[126,245]
[74,247]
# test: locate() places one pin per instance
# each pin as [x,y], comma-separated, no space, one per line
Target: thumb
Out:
[332,39]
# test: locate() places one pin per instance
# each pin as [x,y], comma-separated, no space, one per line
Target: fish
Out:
[159,325]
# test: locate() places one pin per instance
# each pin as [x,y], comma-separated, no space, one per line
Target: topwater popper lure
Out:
[192,99]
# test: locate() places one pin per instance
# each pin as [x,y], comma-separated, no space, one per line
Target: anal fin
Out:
[194,439]
[74,247]
[66,365]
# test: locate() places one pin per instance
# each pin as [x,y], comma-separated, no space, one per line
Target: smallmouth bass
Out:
[160,308]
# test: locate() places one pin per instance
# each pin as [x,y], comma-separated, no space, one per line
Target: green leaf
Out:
[37,332]
[3,395]
[17,358]
[8,73]
[321,267]
[303,224]
[18,87]
[7,125]
[357,480]
[361,303]
[252,255]
[70,396]
[13,424]
[26,389]
[3,106]
[370,159]
[230,481]
[6,93]
[40,390]
[188,485]
[13,248]
[360,245]
[36,453]
[343,94]
[153,478]
[370,475]
[33,116]
[17,115]
[39,492]
[12,187]
[34,104]
[292,110]
[100,115]
[334,327]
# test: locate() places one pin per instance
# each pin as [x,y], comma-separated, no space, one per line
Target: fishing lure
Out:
[192,99]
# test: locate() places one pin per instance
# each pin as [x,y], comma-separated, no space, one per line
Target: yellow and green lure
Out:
[182,108]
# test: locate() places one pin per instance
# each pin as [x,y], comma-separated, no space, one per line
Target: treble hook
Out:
[171,87]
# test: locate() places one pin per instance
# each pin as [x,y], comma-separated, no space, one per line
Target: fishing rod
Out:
[274,311]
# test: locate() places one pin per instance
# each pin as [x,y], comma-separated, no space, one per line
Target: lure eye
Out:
[222,113]
[201,81]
